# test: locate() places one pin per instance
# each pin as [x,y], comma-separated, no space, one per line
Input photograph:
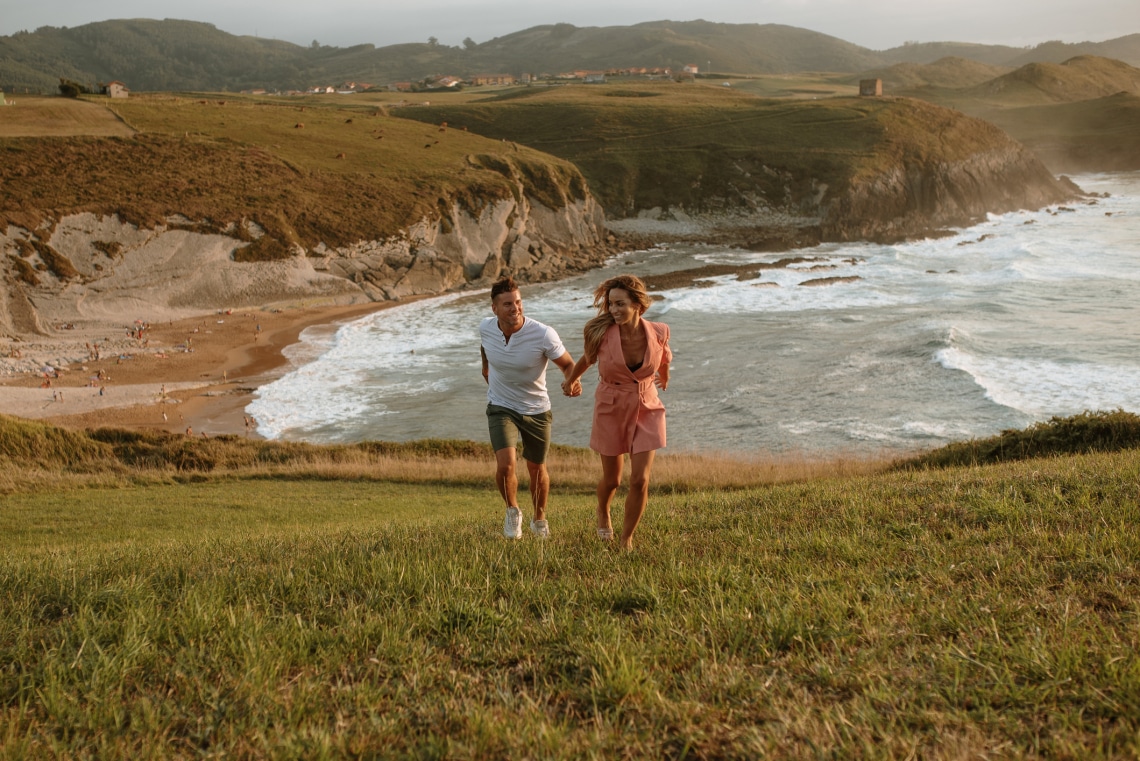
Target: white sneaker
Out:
[512,524]
[540,529]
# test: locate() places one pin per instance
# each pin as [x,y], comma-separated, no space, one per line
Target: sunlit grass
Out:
[964,612]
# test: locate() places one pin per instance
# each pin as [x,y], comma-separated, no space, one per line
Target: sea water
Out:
[1025,316]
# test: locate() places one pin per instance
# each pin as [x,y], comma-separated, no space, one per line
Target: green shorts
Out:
[506,426]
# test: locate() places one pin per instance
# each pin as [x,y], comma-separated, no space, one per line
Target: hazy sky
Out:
[876,24]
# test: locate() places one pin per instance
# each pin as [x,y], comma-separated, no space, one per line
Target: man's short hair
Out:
[503,285]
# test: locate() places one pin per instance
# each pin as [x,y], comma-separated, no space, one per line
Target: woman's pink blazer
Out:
[628,415]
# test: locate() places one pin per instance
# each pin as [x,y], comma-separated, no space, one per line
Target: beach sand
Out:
[206,388]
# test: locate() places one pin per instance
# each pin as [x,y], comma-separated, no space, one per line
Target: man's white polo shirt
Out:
[516,372]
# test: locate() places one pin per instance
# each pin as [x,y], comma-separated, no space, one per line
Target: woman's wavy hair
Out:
[596,328]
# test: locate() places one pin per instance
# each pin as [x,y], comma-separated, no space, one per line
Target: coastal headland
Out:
[168,229]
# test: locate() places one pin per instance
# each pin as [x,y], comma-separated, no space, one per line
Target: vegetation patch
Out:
[59,264]
[1079,434]
[935,614]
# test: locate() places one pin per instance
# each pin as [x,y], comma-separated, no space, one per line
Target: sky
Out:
[876,24]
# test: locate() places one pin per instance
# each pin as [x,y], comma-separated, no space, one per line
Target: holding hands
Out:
[572,387]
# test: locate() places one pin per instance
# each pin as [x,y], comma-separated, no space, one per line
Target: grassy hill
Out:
[951,72]
[1080,78]
[703,148]
[151,55]
[739,48]
[307,172]
[1076,116]
[337,610]
[1125,49]
[1089,135]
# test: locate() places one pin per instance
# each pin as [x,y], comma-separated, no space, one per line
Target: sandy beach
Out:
[194,374]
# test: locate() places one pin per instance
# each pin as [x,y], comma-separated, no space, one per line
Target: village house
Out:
[492,79]
[692,68]
[870,88]
[116,89]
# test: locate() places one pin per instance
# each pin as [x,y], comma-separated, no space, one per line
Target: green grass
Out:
[1078,434]
[964,612]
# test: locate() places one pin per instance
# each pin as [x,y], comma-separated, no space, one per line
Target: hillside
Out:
[1076,116]
[1080,78]
[166,597]
[738,48]
[166,55]
[1089,135]
[663,148]
[951,72]
[213,203]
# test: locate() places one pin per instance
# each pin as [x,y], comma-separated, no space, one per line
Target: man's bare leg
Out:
[505,477]
[539,488]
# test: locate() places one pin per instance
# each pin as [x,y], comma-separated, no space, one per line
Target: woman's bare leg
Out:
[607,487]
[640,465]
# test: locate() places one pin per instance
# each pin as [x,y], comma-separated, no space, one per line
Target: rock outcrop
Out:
[84,267]
[912,199]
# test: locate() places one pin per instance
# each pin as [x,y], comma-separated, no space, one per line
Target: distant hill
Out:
[1077,79]
[1125,49]
[735,48]
[1079,115]
[192,56]
[949,72]
[1089,135]
[929,52]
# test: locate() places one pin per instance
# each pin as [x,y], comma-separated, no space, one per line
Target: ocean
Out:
[1025,316]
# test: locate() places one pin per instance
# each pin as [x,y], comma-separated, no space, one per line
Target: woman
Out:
[633,359]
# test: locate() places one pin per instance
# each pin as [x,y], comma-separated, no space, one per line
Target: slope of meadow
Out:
[947,613]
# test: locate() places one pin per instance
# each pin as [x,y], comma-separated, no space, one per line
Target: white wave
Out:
[1042,387]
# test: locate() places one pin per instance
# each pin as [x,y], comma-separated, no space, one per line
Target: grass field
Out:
[35,116]
[956,613]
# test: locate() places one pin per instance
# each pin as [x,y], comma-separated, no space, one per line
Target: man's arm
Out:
[483,354]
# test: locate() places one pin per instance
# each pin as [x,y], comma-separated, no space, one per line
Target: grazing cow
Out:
[298,125]
[340,155]
[348,121]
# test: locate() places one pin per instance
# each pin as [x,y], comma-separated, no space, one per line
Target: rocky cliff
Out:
[89,267]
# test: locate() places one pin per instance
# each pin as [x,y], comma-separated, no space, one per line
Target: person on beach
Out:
[515,350]
[633,358]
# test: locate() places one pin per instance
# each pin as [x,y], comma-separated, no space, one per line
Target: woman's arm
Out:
[663,376]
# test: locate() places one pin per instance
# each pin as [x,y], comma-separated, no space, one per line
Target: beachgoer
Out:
[515,350]
[633,358]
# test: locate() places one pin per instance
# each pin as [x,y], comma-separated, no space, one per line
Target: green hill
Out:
[1125,49]
[150,55]
[305,172]
[706,148]
[1080,115]
[1090,135]
[1080,78]
[737,48]
[950,72]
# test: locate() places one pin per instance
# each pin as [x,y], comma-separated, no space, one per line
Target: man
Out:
[515,350]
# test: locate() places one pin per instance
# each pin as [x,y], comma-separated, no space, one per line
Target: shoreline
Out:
[209,367]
